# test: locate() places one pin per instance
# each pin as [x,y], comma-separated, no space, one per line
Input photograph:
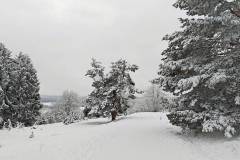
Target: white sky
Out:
[61,36]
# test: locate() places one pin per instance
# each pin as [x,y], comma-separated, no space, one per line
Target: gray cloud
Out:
[61,36]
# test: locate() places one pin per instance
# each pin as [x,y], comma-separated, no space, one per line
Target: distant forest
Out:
[47,98]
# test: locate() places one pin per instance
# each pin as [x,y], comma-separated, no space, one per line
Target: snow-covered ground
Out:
[141,136]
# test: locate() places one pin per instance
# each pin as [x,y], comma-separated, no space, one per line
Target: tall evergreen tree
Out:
[6,66]
[97,96]
[19,89]
[25,88]
[112,91]
[201,66]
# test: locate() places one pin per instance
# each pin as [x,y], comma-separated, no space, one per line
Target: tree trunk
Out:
[114,115]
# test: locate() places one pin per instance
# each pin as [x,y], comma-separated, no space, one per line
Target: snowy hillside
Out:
[142,136]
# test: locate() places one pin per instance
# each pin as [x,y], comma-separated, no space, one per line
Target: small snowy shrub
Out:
[19,125]
[73,117]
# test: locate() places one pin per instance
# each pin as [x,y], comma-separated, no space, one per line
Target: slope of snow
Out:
[142,136]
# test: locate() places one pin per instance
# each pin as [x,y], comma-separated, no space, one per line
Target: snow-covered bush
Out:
[61,116]
[19,125]
[68,109]
[201,66]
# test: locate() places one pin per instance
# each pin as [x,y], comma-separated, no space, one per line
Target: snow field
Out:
[141,136]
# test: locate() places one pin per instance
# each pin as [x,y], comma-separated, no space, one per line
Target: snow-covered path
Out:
[142,136]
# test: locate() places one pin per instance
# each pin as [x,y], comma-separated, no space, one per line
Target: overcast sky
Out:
[61,36]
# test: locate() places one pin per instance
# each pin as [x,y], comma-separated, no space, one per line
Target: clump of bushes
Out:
[67,110]
[57,116]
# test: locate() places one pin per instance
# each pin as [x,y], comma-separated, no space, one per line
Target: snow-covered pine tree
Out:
[201,66]
[112,91]
[6,65]
[121,88]
[96,97]
[23,91]
[28,88]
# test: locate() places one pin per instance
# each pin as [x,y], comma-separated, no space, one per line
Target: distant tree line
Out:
[49,99]
[153,100]
[19,90]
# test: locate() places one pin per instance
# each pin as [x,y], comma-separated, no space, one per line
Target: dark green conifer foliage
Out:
[201,66]
[19,87]
[112,91]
